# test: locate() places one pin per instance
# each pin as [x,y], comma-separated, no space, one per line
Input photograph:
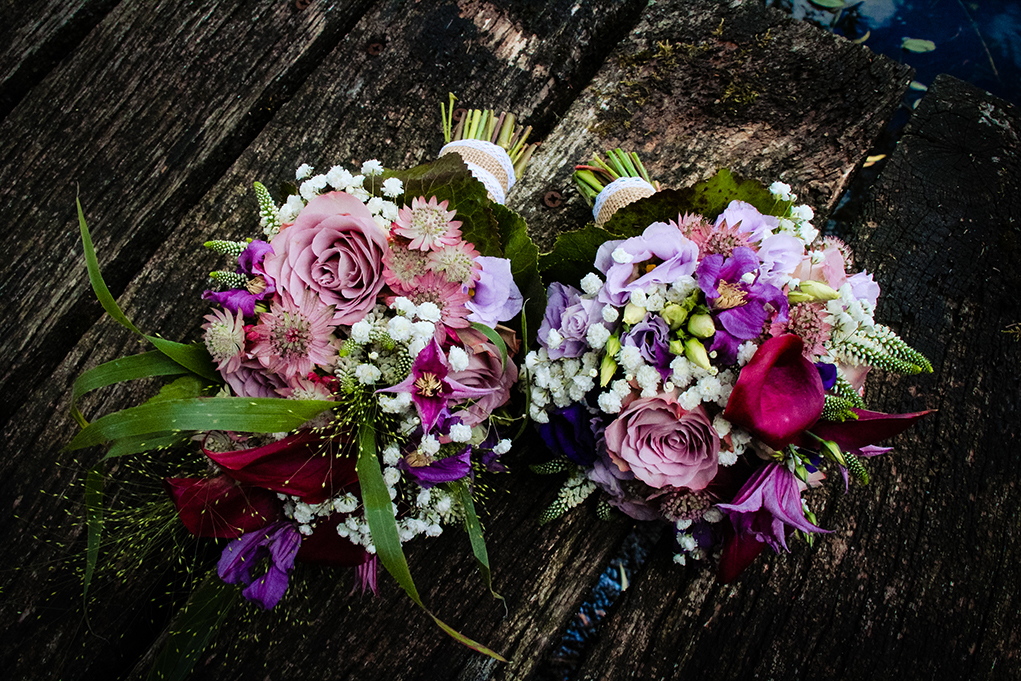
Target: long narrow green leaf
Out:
[94,521]
[383,526]
[192,357]
[474,529]
[192,629]
[253,415]
[495,339]
[132,367]
[143,443]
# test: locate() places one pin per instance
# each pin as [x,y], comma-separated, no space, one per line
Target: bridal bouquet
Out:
[354,374]
[702,359]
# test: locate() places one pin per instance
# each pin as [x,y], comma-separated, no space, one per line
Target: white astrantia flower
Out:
[303,171]
[460,432]
[393,187]
[371,168]
[591,283]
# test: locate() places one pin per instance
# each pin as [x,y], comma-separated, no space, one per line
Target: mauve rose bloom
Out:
[253,380]
[487,371]
[334,249]
[664,445]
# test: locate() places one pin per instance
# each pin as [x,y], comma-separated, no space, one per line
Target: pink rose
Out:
[487,370]
[664,445]
[334,249]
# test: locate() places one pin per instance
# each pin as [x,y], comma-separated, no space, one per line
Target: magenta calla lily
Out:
[869,428]
[431,388]
[778,394]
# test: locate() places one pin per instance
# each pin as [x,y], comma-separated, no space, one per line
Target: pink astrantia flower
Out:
[225,339]
[458,262]
[428,224]
[403,265]
[291,339]
[446,295]
[808,322]
[431,387]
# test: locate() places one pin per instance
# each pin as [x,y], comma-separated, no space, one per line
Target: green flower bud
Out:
[613,345]
[674,315]
[677,347]
[633,313]
[696,354]
[606,370]
[701,326]
[811,291]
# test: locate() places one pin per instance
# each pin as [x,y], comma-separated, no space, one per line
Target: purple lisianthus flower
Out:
[262,286]
[864,287]
[766,505]
[280,543]
[779,255]
[672,253]
[740,308]
[496,297]
[569,432]
[430,386]
[571,315]
[746,218]
[652,338]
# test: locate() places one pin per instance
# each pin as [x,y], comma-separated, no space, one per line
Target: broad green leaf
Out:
[917,45]
[383,526]
[573,254]
[194,357]
[523,254]
[145,365]
[94,481]
[474,529]
[193,628]
[253,415]
[495,339]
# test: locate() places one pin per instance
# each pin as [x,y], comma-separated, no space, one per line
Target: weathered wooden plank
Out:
[699,86]
[35,37]
[920,578]
[358,103]
[141,120]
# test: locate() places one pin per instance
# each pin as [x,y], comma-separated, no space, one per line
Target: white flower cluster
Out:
[799,221]
[383,211]
[558,383]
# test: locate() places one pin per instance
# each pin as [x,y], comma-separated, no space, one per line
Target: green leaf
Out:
[523,254]
[253,415]
[145,365]
[383,527]
[193,628]
[474,529]
[94,481]
[917,45]
[828,4]
[572,255]
[144,443]
[192,357]
[187,386]
[495,339]
[448,179]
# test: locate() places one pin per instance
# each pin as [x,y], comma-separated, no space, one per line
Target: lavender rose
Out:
[570,314]
[664,445]
[334,249]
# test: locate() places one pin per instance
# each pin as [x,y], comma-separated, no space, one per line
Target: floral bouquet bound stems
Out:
[353,380]
[709,369]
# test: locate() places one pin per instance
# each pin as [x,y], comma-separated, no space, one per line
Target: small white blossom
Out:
[429,311]
[621,256]
[597,336]
[610,314]
[609,403]
[372,167]
[745,352]
[429,445]
[403,306]
[502,447]
[391,455]
[591,283]
[802,213]
[424,329]
[458,358]
[638,297]
[338,177]
[367,374]
[459,432]
[399,329]
[391,476]
[554,339]
[393,187]
[631,358]
[780,190]
[303,171]
[713,515]
[361,332]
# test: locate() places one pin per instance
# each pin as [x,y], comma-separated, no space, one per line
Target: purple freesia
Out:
[740,308]
[430,387]
[249,263]
[672,253]
[652,338]
[746,218]
[766,505]
[280,543]
[496,297]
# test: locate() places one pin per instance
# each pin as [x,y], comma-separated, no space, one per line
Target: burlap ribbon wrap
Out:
[617,194]
[489,163]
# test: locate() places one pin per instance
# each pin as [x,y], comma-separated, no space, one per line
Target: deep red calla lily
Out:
[302,465]
[325,547]
[778,394]
[219,507]
[739,551]
[869,428]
